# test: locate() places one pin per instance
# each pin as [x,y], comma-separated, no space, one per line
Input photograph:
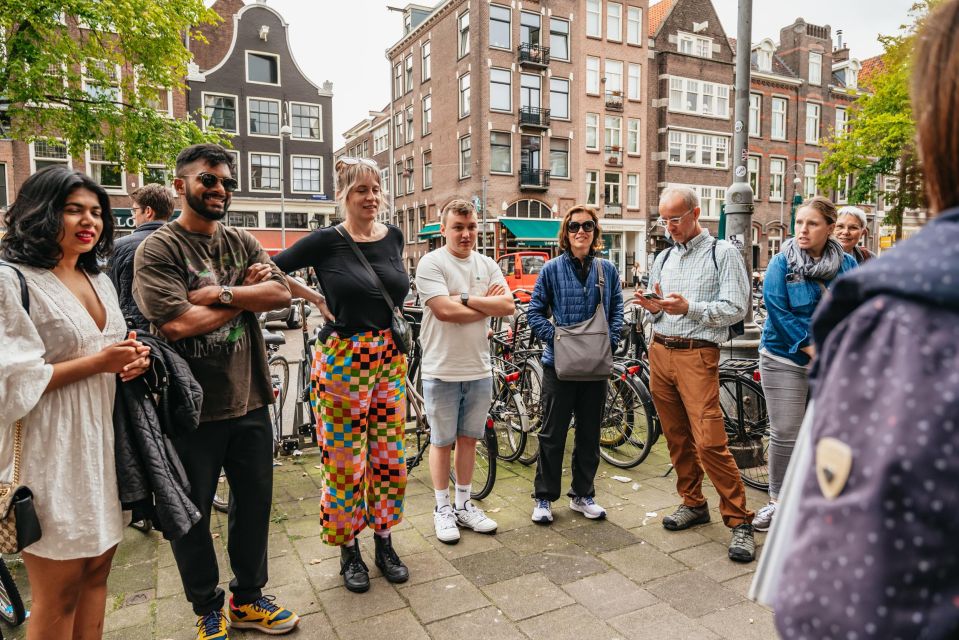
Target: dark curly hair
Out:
[213,154]
[35,220]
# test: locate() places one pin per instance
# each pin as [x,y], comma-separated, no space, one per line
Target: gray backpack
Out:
[581,351]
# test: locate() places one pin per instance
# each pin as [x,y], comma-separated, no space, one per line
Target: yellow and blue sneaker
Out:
[264,616]
[212,626]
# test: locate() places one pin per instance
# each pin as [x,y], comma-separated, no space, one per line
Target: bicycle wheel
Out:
[221,499]
[509,420]
[11,604]
[484,470]
[747,427]
[531,391]
[280,380]
[416,436]
[628,430]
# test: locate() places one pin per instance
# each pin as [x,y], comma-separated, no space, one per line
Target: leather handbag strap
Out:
[369,269]
[24,293]
[18,436]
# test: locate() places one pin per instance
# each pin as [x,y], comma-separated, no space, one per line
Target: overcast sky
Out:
[345,41]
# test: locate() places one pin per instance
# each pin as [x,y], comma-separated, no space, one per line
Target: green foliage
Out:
[87,71]
[880,136]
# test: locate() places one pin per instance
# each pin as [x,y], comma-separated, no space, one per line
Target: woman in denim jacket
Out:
[796,280]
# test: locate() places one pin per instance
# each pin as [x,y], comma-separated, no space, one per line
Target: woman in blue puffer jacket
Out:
[568,287]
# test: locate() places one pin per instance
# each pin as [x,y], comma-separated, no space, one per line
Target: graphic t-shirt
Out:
[455,351]
[229,362]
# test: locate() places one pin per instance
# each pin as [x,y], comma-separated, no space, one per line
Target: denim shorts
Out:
[457,409]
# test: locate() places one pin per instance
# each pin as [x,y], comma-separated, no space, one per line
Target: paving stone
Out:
[136,547]
[527,596]
[344,606]
[564,564]
[569,623]
[744,621]
[695,557]
[304,527]
[314,626]
[642,562]
[468,545]
[609,594]
[143,631]
[419,503]
[136,616]
[533,539]
[296,596]
[740,584]
[325,574]
[723,569]
[285,569]
[600,537]
[132,578]
[174,615]
[442,598]
[662,621]
[483,624]
[168,582]
[491,566]
[693,594]
[509,518]
[668,541]
[395,624]
[314,548]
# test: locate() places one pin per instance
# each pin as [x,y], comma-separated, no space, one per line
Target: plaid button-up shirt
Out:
[717,292]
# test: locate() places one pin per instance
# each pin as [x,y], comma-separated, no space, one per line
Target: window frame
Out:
[608,74]
[463,34]
[246,67]
[509,147]
[757,130]
[638,133]
[630,67]
[509,89]
[319,119]
[427,179]
[586,132]
[716,91]
[596,12]
[552,173]
[426,63]
[465,170]
[782,178]
[813,107]
[292,174]
[279,168]
[592,186]
[464,95]
[398,80]
[564,35]
[408,73]
[410,119]
[592,86]
[773,115]
[509,27]
[236,109]
[700,149]
[809,68]
[609,22]
[757,191]
[426,108]
[837,131]
[807,177]
[630,10]
[86,85]
[552,112]
[90,163]
[384,137]
[633,204]
[249,115]
[698,44]
[399,128]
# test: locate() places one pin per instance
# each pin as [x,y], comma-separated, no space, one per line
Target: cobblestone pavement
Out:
[625,577]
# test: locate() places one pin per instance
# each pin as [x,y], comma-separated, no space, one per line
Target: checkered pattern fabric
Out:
[359,393]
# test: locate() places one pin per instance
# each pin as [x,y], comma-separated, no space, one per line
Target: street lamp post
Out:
[285,131]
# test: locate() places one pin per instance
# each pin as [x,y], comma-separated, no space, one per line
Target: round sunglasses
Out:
[208,180]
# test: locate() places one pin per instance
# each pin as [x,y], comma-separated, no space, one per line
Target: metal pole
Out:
[282,197]
[484,249]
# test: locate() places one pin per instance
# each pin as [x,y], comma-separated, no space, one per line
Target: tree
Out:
[95,71]
[880,137]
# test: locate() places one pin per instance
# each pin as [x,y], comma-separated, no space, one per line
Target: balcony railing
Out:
[614,100]
[614,156]
[613,210]
[534,179]
[534,117]
[533,55]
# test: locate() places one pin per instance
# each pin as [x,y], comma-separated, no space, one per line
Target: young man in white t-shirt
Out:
[460,289]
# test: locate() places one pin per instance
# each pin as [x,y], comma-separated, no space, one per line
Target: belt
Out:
[683,343]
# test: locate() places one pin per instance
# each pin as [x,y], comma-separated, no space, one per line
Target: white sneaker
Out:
[587,507]
[473,518]
[764,517]
[542,512]
[445,524]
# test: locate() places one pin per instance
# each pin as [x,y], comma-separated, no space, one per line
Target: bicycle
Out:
[746,420]
[11,603]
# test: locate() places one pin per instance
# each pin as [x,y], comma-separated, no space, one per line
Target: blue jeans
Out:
[457,409]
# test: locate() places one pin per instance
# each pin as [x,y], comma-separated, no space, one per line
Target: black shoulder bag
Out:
[399,327]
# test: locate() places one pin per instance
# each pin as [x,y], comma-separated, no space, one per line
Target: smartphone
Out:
[652,295]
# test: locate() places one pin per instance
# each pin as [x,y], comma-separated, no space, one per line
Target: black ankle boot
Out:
[356,576]
[388,562]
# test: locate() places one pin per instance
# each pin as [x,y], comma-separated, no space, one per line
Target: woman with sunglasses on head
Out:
[359,388]
[58,370]
[568,288]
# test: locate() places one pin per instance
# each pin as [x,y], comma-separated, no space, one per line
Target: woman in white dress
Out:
[58,367]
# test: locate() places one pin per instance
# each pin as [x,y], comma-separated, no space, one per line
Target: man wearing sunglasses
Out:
[707,290]
[201,283]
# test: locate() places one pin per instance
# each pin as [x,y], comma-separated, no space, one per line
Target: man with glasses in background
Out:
[707,290]
[201,284]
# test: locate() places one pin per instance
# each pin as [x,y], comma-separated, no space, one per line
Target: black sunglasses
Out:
[209,181]
[587,226]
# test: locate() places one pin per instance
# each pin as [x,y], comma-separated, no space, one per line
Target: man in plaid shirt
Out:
[707,290]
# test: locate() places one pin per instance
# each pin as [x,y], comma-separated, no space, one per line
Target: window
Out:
[777,176]
[810,172]
[307,174]
[399,178]
[427,169]
[612,188]
[634,25]
[614,22]
[764,59]
[235,157]
[465,158]
[397,80]
[559,158]
[409,123]
[711,200]
[385,180]
[101,80]
[107,172]
[464,95]
[500,90]
[408,174]
[614,132]
[559,98]
[425,68]
[529,28]
[220,111]
[294,219]
[464,34]
[614,75]
[559,39]
[409,74]
[755,114]
[592,75]
[779,119]
[592,187]
[699,150]
[264,172]
[775,241]
[632,136]
[398,136]
[633,88]
[262,68]
[381,138]
[264,117]
[594,19]
[592,131]
[427,114]
[632,191]
[812,123]
[530,90]
[157,174]
[697,97]
[753,172]
[815,68]
[305,119]
[501,152]
[843,184]
[695,45]
[499,27]
[248,219]
[840,121]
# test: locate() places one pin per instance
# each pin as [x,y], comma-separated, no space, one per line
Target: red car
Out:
[521,270]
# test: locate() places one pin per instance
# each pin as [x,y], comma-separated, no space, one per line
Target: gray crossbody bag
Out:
[581,351]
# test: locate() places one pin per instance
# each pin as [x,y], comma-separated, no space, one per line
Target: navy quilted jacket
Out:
[558,289]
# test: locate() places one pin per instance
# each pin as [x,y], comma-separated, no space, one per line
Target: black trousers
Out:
[243,448]
[561,401]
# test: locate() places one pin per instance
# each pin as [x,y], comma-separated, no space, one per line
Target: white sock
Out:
[462,495]
[442,498]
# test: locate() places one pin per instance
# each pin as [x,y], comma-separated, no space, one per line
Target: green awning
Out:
[533,230]
[430,231]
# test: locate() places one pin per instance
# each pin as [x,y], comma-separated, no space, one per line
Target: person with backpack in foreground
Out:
[707,293]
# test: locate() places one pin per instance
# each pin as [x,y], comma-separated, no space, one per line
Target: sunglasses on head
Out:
[587,226]
[208,180]
[351,161]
